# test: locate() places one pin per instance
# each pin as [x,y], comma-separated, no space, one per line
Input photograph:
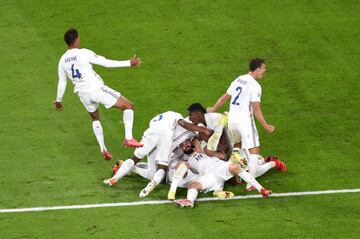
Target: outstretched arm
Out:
[102,61]
[193,127]
[219,102]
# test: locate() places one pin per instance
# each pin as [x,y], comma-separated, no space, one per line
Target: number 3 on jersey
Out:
[75,73]
[239,89]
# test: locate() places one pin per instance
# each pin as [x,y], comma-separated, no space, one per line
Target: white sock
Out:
[192,194]
[213,141]
[250,179]
[128,118]
[264,168]
[143,172]
[159,176]
[98,131]
[178,176]
[124,169]
[253,163]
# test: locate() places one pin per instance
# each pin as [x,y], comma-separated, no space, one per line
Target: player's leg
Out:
[160,157]
[150,141]
[192,193]
[235,169]
[179,174]
[143,170]
[112,99]
[92,108]
[99,134]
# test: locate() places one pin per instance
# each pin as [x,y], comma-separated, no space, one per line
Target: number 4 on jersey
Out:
[77,75]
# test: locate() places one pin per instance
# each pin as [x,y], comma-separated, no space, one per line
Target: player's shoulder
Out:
[174,114]
[86,51]
[242,79]
[213,115]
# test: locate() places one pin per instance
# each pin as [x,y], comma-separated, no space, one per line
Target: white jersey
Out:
[203,164]
[76,64]
[165,122]
[243,90]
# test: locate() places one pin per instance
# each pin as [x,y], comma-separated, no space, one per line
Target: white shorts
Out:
[157,148]
[215,180]
[104,95]
[246,133]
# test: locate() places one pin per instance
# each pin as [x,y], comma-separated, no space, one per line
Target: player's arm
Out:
[102,61]
[194,128]
[61,88]
[219,102]
[260,117]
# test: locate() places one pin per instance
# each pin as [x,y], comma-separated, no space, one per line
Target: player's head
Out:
[72,38]
[187,146]
[257,68]
[196,113]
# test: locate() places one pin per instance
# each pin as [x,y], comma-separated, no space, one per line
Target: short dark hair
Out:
[70,36]
[256,63]
[196,107]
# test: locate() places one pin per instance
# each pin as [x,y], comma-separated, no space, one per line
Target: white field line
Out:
[137,203]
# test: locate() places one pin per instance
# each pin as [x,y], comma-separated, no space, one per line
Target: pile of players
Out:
[199,152]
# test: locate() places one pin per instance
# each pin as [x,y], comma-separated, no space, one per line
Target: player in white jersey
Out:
[76,64]
[245,95]
[157,141]
[213,172]
[212,121]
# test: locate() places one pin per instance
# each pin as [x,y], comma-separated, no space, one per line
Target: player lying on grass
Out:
[212,171]
[157,140]
[76,64]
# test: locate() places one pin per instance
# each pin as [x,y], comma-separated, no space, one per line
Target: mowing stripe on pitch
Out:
[123,204]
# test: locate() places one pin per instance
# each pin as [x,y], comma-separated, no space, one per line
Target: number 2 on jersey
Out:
[159,118]
[239,89]
[75,73]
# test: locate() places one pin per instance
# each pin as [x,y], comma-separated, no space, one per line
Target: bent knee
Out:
[234,169]
[195,185]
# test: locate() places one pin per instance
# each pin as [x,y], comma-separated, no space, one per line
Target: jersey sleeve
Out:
[256,93]
[231,88]
[102,61]
[62,82]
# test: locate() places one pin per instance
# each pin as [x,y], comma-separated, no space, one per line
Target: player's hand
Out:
[197,145]
[58,106]
[135,61]
[269,128]
[210,110]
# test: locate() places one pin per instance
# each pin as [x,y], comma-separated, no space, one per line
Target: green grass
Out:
[191,51]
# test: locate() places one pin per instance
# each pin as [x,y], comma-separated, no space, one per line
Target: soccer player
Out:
[212,121]
[76,64]
[157,140]
[245,95]
[213,172]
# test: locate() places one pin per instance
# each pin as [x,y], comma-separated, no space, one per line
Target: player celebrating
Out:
[245,94]
[213,172]
[76,64]
[157,140]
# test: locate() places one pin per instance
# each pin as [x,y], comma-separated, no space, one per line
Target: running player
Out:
[76,64]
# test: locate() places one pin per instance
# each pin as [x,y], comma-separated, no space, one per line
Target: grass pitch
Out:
[191,51]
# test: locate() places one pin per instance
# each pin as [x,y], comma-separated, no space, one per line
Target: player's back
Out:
[243,90]
[76,63]
[165,122]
